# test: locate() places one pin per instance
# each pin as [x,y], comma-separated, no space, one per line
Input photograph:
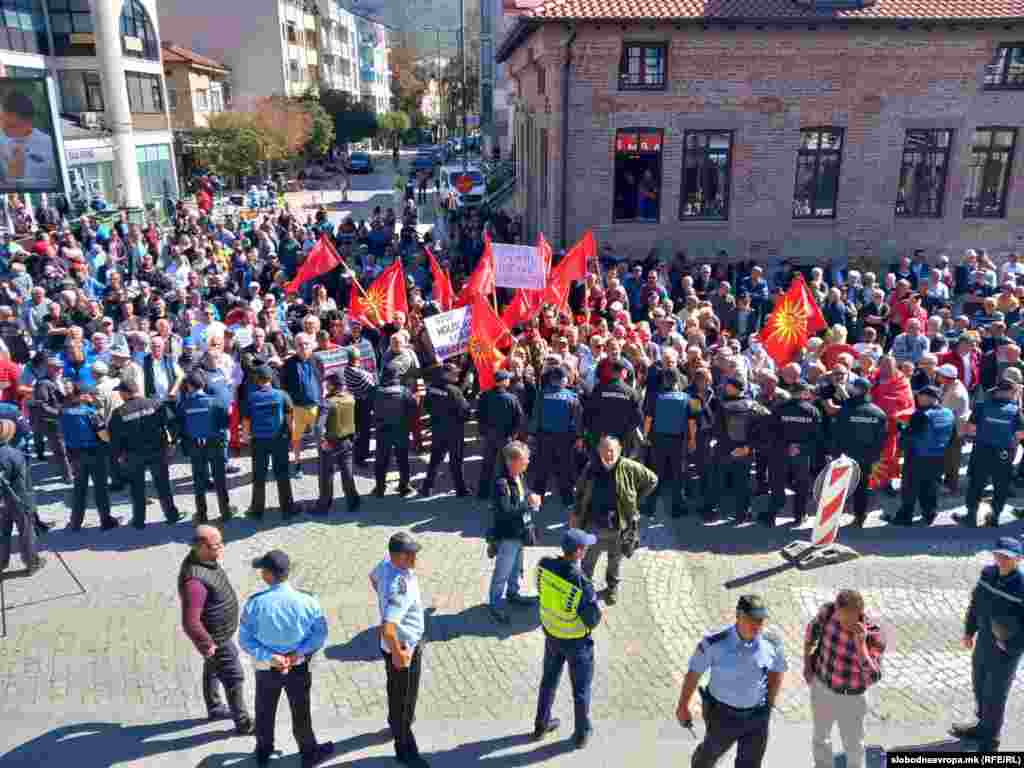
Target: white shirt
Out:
[40,167]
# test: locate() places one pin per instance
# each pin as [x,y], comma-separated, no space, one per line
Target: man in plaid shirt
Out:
[843,651]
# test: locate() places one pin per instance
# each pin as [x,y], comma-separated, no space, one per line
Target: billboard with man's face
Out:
[30,145]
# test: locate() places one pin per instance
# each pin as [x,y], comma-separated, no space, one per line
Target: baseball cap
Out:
[574,538]
[860,384]
[1007,546]
[402,542]
[503,376]
[752,606]
[947,371]
[275,561]
[930,391]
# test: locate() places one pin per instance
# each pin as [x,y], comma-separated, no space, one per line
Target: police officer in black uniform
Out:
[449,410]
[138,434]
[796,435]
[557,425]
[700,475]
[203,420]
[394,408]
[672,432]
[614,408]
[860,431]
[737,426]
[500,416]
[994,629]
[924,442]
[997,424]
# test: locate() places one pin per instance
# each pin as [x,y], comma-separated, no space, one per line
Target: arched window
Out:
[138,39]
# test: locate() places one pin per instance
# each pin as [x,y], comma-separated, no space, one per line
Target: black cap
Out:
[752,606]
[402,542]
[930,391]
[275,561]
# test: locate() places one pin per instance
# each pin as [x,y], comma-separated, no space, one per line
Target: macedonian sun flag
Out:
[486,336]
[378,304]
[794,320]
[895,397]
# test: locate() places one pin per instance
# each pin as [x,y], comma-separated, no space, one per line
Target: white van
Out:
[449,193]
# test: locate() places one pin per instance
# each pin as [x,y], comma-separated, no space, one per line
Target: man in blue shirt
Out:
[281,629]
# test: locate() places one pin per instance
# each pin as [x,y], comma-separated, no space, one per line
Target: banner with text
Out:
[450,331]
[518,266]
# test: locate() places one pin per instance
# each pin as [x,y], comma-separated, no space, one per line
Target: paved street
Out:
[99,639]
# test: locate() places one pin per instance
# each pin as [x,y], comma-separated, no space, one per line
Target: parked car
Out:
[360,162]
[449,191]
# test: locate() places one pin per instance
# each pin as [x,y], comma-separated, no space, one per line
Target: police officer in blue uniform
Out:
[747,666]
[219,388]
[401,640]
[203,420]
[796,434]
[738,424]
[994,629]
[271,411]
[568,614]
[281,628]
[557,425]
[924,442]
[860,431]
[997,425]
[81,424]
[499,415]
[672,432]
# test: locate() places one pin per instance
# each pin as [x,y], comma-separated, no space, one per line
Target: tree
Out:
[408,80]
[284,127]
[393,125]
[353,120]
[229,147]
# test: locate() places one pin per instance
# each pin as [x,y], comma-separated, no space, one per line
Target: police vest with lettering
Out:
[557,414]
[197,410]
[932,441]
[671,412]
[997,424]
[76,425]
[266,409]
[559,606]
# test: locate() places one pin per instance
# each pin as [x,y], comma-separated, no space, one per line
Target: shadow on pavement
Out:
[473,754]
[942,745]
[476,621]
[363,647]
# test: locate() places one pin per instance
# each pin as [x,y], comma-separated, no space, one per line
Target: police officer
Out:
[138,433]
[338,428]
[860,431]
[270,410]
[568,614]
[449,411]
[614,408]
[997,425]
[203,420]
[80,424]
[994,629]
[18,504]
[746,666]
[700,477]
[47,400]
[281,629]
[557,425]
[394,408]
[738,422]
[795,429]
[924,445]
[500,416]
[401,640]
[672,432]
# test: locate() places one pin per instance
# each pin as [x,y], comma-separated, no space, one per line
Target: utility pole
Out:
[465,94]
[440,90]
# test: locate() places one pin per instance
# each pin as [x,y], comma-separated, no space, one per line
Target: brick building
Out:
[772,128]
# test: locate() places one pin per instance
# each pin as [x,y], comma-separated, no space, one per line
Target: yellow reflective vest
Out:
[559,606]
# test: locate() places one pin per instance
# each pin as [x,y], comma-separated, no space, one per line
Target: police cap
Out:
[574,538]
[275,561]
[752,606]
[402,542]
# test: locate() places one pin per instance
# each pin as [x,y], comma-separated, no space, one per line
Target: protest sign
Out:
[518,266]
[450,331]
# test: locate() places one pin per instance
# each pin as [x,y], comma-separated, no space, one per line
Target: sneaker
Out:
[965,730]
[540,731]
[262,758]
[318,755]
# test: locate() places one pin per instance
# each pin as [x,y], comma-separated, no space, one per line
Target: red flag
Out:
[385,296]
[481,282]
[321,259]
[794,320]
[572,267]
[487,334]
[896,398]
[527,302]
[442,290]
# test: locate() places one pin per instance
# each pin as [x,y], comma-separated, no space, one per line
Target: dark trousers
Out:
[789,470]
[701,477]
[986,464]
[920,485]
[22,516]
[390,441]
[555,456]
[403,692]
[364,424]
[135,467]
[667,459]
[262,451]
[492,461]
[862,492]
[732,485]
[90,463]
[296,684]
[450,443]
[580,656]
[726,727]
[339,456]
[205,454]
[225,669]
[51,430]
[992,673]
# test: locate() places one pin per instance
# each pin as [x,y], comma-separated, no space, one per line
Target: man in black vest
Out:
[210,618]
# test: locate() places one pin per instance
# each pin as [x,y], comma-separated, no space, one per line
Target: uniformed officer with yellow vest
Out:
[338,427]
[568,613]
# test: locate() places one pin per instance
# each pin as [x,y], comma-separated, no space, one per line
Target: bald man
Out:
[210,619]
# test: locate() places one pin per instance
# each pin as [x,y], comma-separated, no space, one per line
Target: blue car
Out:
[360,162]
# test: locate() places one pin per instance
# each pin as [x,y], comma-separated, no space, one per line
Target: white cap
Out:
[947,371]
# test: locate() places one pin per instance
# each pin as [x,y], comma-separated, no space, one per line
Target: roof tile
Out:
[176,53]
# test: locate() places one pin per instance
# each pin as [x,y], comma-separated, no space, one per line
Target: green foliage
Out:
[393,125]
[322,133]
[353,120]
[230,150]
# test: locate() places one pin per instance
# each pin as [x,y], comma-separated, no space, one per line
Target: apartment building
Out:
[197,87]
